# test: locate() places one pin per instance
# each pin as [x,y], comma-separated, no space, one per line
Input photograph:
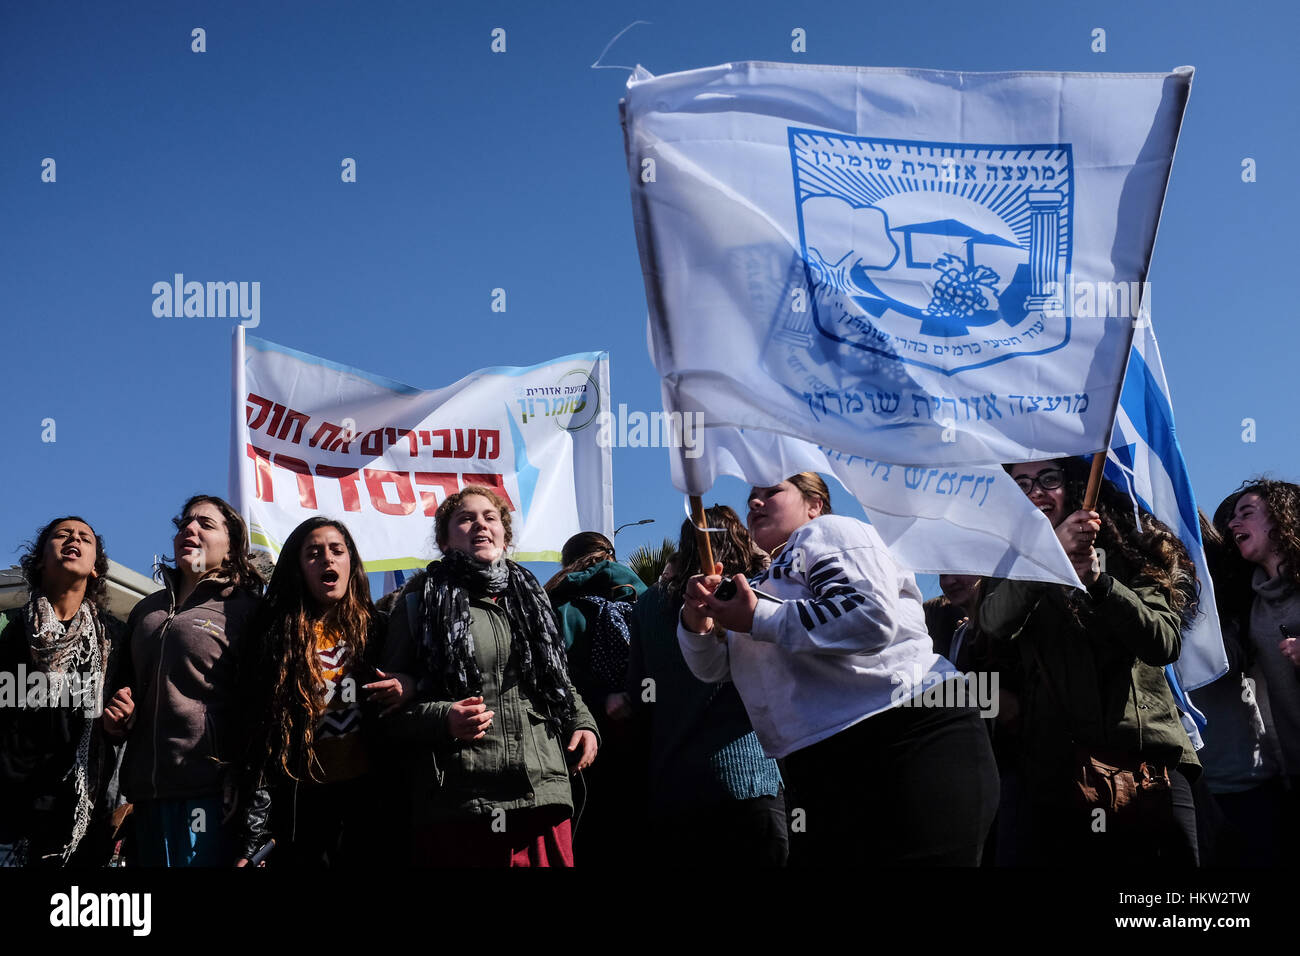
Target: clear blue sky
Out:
[479,170]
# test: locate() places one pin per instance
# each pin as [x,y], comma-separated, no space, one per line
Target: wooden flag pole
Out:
[1094,481]
[701,536]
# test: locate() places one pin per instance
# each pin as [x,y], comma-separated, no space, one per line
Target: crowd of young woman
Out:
[786,704]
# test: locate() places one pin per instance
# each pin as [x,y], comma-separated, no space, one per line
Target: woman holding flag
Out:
[1098,712]
[885,763]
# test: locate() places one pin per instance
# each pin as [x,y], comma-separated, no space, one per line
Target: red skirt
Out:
[538,836]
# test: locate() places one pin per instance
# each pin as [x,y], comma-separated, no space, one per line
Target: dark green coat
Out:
[1108,689]
[519,764]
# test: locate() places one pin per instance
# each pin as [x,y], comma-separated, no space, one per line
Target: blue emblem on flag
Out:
[948,256]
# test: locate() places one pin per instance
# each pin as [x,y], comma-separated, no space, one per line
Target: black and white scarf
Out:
[79,649]
[447,647]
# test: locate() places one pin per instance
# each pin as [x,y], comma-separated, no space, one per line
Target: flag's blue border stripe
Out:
[1149,411]
[263,345]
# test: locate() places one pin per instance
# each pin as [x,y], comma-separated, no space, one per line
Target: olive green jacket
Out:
[1096,680]
[519,764]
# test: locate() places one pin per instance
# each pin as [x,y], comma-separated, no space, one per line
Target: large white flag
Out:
[990,528]
[916,266]
[312,436]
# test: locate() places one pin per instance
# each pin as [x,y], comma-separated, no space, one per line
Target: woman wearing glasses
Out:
[1094,674]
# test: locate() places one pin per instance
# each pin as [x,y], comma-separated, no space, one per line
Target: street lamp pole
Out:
[631,524]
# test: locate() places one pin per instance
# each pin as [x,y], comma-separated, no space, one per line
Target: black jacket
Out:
[269,797]
[38,746]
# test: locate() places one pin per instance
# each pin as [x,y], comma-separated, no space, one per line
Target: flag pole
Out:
[1144,307]
[1094,480]
[701,535]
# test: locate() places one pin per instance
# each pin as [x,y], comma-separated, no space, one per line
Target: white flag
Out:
[312,436]
[990,528]
[916,266]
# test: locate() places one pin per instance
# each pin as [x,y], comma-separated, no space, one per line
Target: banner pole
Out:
[239,501]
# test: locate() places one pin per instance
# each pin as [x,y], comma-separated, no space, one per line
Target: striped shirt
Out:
[846,640]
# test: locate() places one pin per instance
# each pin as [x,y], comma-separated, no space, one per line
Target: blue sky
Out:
[479,170]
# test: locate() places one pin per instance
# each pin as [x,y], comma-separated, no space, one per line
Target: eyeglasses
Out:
[1047,480]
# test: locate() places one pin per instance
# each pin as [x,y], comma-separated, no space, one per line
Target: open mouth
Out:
[72,552]
[329,578]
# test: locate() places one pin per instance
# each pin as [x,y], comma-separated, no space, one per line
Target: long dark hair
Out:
[287,622]
[584,549]
[32,562]
[237,566]
[1148,550]
[732,547]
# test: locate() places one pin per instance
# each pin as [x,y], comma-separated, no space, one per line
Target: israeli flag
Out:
[1145,458]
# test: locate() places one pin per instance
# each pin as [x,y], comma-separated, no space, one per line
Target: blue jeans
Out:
[181,833]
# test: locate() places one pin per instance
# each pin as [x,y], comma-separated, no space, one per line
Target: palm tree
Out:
[648,560]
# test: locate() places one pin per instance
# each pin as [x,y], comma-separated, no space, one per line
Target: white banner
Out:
[312,436]
[913,266]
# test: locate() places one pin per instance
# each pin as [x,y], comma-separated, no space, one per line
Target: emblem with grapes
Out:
[960,292]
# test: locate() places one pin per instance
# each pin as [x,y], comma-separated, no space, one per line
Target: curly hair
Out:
[732,547]
[32,563]
[237,566]
[1282,500]
[442,519]
[287,621]
[1149,550]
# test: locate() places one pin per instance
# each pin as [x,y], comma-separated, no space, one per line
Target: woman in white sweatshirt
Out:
[886,761]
